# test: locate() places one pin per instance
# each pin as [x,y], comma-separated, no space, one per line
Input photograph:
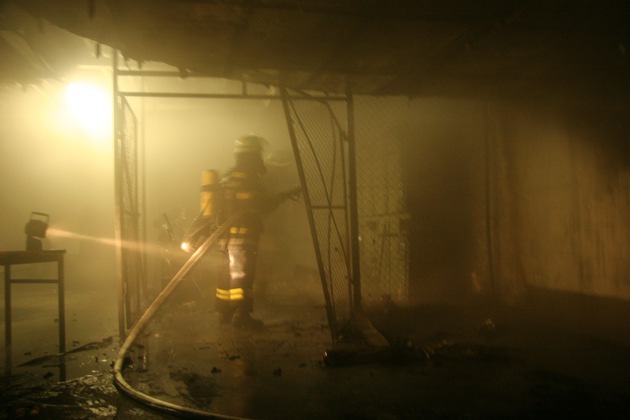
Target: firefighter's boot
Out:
[243,320]
[225,317]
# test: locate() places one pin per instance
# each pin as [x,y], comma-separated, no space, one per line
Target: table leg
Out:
[7,319]
[62,308]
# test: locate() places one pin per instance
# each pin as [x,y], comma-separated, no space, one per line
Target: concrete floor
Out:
[461,362]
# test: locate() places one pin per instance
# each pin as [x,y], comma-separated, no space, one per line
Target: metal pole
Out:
[353,204]
[137,246]
[131,94]
[117,193]
[62,315]
[140,171]
[62,304]
[7,318]
[488,155]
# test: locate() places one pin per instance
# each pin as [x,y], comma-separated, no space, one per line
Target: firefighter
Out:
[242,192]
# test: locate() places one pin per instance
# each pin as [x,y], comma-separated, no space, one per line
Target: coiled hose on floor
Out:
[119,380]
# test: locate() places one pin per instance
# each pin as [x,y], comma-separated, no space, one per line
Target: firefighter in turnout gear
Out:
[242,192]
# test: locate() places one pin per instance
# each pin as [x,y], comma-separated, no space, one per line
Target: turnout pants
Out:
[235,290]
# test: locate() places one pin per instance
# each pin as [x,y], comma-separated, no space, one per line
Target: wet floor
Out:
[456,362]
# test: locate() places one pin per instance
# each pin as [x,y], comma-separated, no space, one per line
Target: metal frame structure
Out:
[324,205]
[349,238]
[130,212]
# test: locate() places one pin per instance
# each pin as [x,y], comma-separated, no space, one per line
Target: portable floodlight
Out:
[35,230]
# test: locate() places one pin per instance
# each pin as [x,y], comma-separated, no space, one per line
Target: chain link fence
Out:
[381,198]
[320,129]
[130,213]
[320,149]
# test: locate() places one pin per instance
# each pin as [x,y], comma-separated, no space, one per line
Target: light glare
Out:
[91,107]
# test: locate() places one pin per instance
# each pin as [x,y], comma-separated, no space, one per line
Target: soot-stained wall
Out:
[563,208]
[506,200]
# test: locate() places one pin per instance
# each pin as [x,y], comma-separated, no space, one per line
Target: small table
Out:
[10,258]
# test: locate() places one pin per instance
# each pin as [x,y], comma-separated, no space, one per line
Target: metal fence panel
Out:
[321,150]
[323,155]
[130,213]
[381,197]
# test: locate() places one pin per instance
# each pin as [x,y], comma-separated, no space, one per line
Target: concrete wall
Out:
[505,200]
[561,206]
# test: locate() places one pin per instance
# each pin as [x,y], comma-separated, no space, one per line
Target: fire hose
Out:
[120,382]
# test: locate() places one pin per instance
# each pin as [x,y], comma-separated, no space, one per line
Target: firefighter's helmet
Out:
[249,151]
[250,143]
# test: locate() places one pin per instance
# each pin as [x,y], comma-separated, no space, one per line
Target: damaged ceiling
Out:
[408,47]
